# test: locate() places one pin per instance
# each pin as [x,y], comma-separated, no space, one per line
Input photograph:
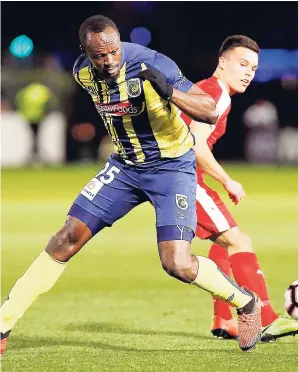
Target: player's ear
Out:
[221,62]
[82,50]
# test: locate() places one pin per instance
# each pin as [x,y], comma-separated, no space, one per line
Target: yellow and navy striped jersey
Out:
[143,126]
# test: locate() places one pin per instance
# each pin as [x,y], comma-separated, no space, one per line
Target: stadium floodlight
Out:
[21,46]
[140,35]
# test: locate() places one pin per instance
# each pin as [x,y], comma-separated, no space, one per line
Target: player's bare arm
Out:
[208,163]
[196,104]
[204,156]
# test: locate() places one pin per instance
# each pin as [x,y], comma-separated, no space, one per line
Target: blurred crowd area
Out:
[46,118]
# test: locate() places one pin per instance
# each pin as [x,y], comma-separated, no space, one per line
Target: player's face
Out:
[103,49]
[239,66]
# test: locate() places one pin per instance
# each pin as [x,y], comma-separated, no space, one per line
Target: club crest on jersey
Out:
[181,201]
[133,87]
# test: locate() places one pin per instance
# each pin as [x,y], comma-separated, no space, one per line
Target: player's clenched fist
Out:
[158,82]
[235,190]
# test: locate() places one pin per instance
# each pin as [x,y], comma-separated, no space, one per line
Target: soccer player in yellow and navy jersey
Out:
[144,127]
[139,94]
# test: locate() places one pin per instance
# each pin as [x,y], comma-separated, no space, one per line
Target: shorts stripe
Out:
[212,210]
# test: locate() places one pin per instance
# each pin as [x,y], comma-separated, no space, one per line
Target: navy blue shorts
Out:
[169,185]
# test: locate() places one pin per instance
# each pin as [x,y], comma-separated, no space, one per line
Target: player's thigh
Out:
[110,195]
[213,216]
[171,188]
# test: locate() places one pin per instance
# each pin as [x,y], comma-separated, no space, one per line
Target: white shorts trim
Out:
[212,210]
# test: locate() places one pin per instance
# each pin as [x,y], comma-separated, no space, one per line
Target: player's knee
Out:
[180,268]
[247,243]
[63,245]
[239,242]
[58,246]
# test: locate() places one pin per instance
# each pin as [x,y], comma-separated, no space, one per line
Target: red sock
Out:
[247,273]
[220,256]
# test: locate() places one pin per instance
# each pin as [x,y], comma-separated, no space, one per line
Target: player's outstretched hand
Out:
[235,191]
[158,82]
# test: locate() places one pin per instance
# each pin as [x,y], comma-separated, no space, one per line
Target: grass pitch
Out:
[114,309]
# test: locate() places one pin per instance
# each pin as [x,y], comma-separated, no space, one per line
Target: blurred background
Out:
[46,118]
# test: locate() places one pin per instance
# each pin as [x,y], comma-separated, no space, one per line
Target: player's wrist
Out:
[168,92]
[226,180]
[158,82]
[163,89]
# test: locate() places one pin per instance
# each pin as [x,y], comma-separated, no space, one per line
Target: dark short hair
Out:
[95,23]
[235,41]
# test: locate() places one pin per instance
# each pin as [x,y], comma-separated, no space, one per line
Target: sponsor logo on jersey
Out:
[181,201]
[179,73]
[92,90]
[133,87]
[92,188]
[119,109]
[181,214]
[181,81]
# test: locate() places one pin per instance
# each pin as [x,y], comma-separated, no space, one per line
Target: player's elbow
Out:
[211,112]
[201,153]
[208,112]
[213,117]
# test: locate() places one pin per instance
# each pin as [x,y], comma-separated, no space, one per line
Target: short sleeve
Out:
[172,72]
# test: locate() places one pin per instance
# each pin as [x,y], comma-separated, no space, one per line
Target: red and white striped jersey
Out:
[216,89]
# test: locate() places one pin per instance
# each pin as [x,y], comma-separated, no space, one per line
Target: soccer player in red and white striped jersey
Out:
[232,250]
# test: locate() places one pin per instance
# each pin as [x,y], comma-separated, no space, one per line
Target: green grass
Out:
[114,309]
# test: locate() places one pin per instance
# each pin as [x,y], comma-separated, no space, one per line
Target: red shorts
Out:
[212,214]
